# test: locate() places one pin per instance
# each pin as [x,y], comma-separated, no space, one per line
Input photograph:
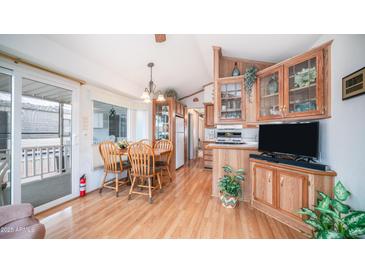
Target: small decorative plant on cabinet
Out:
[230,186]
[332,219]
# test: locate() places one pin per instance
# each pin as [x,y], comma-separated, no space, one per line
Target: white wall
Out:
[189,101]
[342,143]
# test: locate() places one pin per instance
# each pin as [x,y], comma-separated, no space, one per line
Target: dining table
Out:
[156,151]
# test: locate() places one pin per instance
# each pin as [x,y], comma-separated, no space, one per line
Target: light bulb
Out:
[160,98]
[145,95]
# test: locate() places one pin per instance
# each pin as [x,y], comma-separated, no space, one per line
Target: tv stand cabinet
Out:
[280,190]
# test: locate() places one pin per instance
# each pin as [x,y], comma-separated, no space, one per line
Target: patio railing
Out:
[45,160]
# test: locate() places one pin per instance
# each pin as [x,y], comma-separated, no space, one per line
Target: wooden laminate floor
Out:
[184,210]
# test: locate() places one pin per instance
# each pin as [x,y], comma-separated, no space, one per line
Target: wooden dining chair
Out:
[164,160]
[142,159]
[145,141]
[113,164]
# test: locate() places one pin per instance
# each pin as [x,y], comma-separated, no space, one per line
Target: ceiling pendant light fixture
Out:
[150,91]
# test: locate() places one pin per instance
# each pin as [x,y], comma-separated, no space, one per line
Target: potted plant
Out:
[332,219]
[230,186]
[123,144]
[170,93]
[249,78]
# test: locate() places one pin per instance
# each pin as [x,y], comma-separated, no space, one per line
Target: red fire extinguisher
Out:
[83,185]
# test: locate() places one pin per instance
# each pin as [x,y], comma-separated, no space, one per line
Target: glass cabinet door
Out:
[269,95]
[303,87]
[162,122]
[230,101]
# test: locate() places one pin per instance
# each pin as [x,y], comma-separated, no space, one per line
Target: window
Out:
[141,119]
[109,122]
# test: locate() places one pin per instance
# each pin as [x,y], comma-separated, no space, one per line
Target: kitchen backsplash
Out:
[249,134]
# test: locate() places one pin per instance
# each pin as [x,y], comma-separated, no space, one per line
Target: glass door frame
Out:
[18,72]
[319,84]
[9,72]
[278,70]
[231,80]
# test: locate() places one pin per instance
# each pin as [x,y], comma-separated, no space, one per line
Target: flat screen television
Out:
[299,139]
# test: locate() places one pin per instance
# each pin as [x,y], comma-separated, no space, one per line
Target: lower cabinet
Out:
[263,186]
[292,192]
[281,190]
[207,155]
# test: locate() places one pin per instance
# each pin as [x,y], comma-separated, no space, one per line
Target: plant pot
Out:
[228,201]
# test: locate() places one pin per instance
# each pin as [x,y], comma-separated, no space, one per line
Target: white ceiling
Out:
[119,62]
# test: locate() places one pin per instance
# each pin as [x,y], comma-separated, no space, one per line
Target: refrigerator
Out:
[179,142]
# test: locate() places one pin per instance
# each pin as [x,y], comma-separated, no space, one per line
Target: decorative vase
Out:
[228,201]
[236,71]
[272,86]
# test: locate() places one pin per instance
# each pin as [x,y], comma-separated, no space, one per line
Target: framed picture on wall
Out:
[353,84]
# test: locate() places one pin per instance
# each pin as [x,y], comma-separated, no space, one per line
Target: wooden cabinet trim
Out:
[302,55]
[295,168]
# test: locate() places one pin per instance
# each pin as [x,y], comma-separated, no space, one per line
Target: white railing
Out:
[46,160]
[38,162]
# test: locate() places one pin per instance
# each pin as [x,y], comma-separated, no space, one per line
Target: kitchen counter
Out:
[236,156]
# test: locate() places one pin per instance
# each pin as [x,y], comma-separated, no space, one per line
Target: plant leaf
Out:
[240,177]
[323,195]
[328,211]
[326,221]
[227,169]
[314,223]
[329,234]
[356,231]
[325,202]
[341,193]
[356,218]
[340,207]
[308,212]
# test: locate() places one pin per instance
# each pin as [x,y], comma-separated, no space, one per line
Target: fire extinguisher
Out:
[83,185]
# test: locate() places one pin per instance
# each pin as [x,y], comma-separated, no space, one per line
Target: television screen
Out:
[297,139]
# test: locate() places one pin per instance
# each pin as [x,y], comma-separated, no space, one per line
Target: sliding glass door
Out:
[46,147]
[5,136]
[37,151]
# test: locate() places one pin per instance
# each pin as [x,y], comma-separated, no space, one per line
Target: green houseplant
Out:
[230,186]
[170,93]
[249,78]
[332,219]
[123,144]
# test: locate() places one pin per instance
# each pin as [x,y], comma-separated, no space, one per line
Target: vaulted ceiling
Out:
[119,62]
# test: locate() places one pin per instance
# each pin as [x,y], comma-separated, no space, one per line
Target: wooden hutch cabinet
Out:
[164,124]
[296,89]
[230,100]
